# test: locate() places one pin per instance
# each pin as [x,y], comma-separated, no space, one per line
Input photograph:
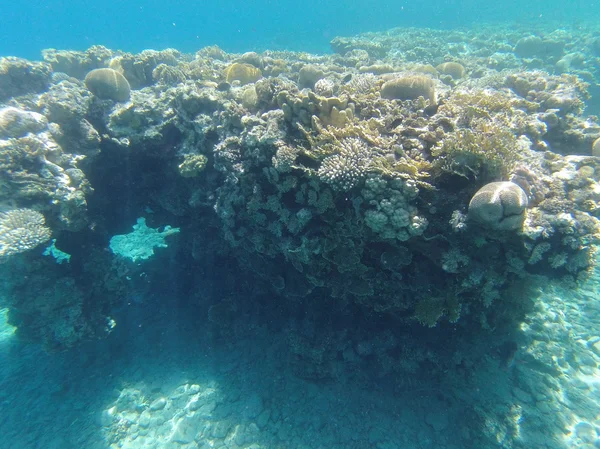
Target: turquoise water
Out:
[305,225]
[243,26]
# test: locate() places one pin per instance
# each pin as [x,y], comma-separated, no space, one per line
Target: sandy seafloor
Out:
[242,394]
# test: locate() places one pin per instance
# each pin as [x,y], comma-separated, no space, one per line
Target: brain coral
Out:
[499,206]
[108,84]
[409,87]
[453,69]
[242,72]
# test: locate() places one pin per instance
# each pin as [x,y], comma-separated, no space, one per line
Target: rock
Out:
[221,429]
[19,77]
[159,404]
[185,430]
[16,122]
[534,46]
[263,419]
[253,407]
[585,431]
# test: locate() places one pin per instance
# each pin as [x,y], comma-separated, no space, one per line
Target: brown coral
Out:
[242,72]
[108,84]
[409,87]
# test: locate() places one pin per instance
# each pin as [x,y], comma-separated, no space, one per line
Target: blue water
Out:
[238,26]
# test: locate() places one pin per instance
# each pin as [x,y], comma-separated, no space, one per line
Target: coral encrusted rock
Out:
[499,206]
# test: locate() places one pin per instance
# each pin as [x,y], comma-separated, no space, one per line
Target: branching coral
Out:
[346,168]
[487,151]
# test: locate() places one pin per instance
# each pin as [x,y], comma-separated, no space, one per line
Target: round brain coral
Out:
[242,72]
[453,69]
[499,206]
[108,84]
[409,87]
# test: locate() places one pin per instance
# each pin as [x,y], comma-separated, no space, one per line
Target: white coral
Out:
[21,230]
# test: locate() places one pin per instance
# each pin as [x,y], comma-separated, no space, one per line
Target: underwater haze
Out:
[300,225]
[254,25]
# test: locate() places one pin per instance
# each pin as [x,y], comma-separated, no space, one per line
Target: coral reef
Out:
[366,182]
[20,77]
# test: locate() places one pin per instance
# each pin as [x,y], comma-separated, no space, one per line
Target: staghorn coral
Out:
[22,230]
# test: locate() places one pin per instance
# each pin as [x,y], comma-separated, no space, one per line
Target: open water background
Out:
[238,26]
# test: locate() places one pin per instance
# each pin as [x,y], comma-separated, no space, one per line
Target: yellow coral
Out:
[192,165]
[242,72]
